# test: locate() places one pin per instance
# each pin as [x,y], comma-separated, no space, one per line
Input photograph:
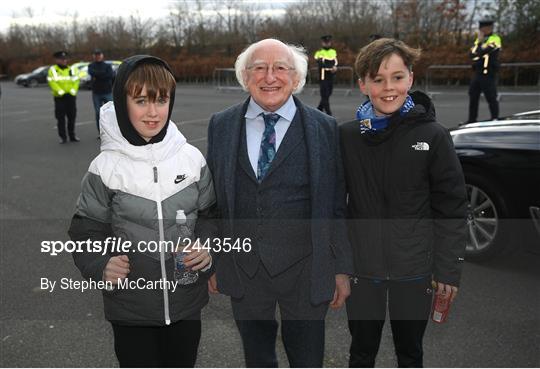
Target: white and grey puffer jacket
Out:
[135,192]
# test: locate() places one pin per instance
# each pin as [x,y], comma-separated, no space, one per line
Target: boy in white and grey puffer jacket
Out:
[144,177]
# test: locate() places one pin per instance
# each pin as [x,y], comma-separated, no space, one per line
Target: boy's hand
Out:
[197,260]
[446,289]
[117,268]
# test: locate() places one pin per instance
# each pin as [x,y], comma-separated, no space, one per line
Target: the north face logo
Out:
[421,146]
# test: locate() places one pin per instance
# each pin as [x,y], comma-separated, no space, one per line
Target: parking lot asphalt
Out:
[494,321]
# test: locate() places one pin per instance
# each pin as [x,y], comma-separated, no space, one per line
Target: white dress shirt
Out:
[255,127]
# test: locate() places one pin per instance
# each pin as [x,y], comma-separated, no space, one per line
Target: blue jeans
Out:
[99,100]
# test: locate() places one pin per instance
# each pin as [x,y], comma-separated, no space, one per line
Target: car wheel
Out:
[33,83]
[486,227]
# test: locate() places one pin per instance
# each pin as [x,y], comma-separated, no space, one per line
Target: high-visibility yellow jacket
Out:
[326,59]
[63,80]
[485,54]
[327,55]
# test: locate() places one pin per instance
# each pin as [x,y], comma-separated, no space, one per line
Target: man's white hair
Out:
[299,58]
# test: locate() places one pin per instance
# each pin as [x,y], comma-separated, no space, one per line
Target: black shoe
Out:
[74,139]
[63,141]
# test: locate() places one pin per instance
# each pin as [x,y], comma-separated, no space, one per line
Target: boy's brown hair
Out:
[371,56]
[158,80]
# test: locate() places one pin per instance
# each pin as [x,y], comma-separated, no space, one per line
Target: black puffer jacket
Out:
[407,202]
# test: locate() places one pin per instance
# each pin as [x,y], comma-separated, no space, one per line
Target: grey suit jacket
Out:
[331,249]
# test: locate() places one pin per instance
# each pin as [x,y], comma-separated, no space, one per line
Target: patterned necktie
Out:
[268,145]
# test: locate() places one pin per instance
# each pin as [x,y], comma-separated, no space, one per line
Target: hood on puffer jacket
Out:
[119,98]
[112,139]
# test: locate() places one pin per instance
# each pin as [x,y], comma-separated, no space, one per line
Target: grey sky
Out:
[50,12]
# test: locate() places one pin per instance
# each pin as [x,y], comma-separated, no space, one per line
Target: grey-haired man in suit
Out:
[279,182]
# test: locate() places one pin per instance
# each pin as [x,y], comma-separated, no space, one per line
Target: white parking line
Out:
[16,112]
[181,123]
[86,122]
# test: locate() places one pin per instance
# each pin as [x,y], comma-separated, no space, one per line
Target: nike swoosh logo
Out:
[179,178]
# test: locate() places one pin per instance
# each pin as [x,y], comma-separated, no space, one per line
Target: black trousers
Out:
[326,86]
[488,85]
[65,106]
[302,324]
[409,306]
[173,346]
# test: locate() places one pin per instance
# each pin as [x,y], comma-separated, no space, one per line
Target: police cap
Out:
[326,38]
[485,22]
[60,54]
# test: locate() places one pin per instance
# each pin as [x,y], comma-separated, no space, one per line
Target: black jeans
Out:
[173,346]
[65,106]
[409,305]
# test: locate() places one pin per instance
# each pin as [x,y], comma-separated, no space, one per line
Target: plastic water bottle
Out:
[181,274]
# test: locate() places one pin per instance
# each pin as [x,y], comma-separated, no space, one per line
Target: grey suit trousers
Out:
[302,324]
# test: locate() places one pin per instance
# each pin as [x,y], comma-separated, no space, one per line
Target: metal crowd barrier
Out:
[502,91]
[224,79]
[348,79]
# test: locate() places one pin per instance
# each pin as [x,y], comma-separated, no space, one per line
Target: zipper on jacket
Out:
[384,213]
[161,251]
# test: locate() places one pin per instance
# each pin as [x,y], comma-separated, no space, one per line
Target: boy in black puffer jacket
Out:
[407,206]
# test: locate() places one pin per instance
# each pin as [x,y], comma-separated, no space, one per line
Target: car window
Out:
[40,69]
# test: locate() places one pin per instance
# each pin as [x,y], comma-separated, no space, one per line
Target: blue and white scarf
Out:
[369,122]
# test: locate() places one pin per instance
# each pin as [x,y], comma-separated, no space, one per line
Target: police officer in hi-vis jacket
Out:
[485,62]
[327,61]
[64,84]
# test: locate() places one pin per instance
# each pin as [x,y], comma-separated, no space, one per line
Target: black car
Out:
[34,78]
[501,162]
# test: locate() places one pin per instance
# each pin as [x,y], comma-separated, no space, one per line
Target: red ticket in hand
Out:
[441,307]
